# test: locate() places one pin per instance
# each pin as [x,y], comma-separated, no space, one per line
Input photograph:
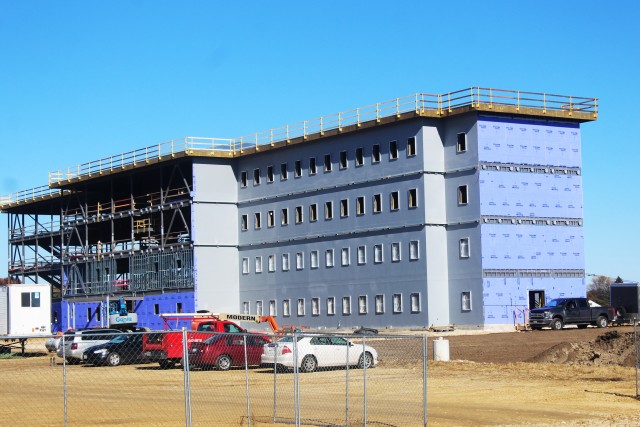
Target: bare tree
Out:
[599,288]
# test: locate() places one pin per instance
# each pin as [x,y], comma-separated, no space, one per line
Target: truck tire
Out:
[556,324]
[602,322]
[167,364]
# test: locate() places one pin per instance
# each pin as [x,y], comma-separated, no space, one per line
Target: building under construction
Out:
[463,208]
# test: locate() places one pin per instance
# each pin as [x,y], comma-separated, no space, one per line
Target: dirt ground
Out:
[544,378]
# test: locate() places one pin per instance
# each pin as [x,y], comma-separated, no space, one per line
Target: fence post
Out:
[424,380]
[64,379]
[635,345]
[347,390]
[187,381]
[296,385]
[364,374]
[246,378]
[275,376]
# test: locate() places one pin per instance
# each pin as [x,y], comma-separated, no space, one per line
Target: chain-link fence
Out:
[106,377]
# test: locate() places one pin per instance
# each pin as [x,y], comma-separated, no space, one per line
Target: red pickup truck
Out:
[166,347]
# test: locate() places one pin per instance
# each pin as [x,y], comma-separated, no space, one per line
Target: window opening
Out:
[360,205]
[461,146]
[344,256]
[377,203]
[331,306]
[244,222]
[395,252]
[284,216]
[313,212]
[375,153]
[298,214]
[285,262]
[415,303]
[315,306]
[362,255]
[463,196]
[343,160]
[298,168]
[395,201]
[346,305]
[328,210]
[379,304]
[377,254]
[328,258]
[312,166]
[413,250]
[269,173]
[393,150]
[359,156]
[243,179]
[271,218]
[344,208]
[256,177]
[411,146]
[464,248]
[362,304]
[327,162]
[257,220]
[397,303]
[283,172]
[314,259]
[413,198]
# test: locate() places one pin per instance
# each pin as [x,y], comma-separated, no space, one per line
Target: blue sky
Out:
[81,80]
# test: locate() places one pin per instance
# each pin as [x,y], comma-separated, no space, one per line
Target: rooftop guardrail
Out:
[420,104]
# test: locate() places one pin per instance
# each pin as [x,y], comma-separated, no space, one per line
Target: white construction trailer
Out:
[25,312]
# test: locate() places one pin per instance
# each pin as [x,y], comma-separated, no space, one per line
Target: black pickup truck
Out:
[570,311]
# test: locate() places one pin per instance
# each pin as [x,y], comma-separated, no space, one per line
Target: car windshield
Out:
[556,303]
[121,338]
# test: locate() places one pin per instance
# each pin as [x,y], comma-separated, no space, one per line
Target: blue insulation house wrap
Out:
[462,208]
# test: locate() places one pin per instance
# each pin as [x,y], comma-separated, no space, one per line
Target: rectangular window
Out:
[272,263]
[298,169]
[359,156]
[257,223]
[379,304]
[245,307]
[243,179]
[461,146]
[343,160]
[272,308]
[313,212]
[258,264]
[299,261]
[256,176]
[285,262]
[283,172]
[327,163]
[315,306]
[156,309]
[362,255]
[284,216]
[345,257]
[377,254]
[259,308]
[328,258]
[312,166]
[464,248]
[463,196]
[413,198]
[377,203]
[89,315]
[301,306]
[271,218]
[328,210]
[244,222]
[397,303]
[375,153]
[331,306]
[363,307]
[346,306]
[466,301]
[414,252]
[344,208]
[269,173]
[360,205]
[178,307]
[314,259]
[395,252]
[415,303]
[245,265]
[411,146]
[393,150]
[286,308]
[299,214]
[395,201]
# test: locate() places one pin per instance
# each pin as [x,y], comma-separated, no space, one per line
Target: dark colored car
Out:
[227,350]
[125,348]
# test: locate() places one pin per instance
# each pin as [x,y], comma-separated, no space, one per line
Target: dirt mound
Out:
[610,348]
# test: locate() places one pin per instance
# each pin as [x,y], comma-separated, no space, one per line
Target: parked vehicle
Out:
[625,298]
[166,348]
[570,311]
[76,342]
[226,350]
[318,352]
[124,348]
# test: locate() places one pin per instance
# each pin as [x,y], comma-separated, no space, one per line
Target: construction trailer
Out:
[25,312]
[462,208]
[625,298]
